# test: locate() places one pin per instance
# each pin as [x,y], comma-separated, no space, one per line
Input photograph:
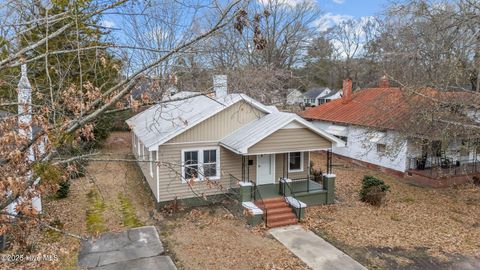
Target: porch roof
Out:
[244,138]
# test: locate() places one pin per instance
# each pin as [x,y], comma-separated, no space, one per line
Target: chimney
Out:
[383,82]
[220,85]
[347,91]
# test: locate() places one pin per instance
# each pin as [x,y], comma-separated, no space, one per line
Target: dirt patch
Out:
[212,238]
[111,197]
[441,223]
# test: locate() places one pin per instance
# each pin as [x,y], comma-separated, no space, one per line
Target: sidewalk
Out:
[313,250]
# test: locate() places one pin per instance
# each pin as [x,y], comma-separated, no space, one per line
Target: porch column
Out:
[245,191]
[329,185]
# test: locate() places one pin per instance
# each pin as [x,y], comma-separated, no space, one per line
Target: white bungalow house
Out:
[320,95]
[370,121]
[294,97]
[209,147]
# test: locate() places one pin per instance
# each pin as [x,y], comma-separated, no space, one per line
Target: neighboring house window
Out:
[381,148]
[437,148]
[343,138]
[201,163]
[295,162]
[312,101]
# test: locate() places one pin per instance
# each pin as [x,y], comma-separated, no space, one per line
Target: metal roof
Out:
[247,136]
[162,122]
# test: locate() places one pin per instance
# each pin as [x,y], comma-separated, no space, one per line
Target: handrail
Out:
[287,184]
[451,168]
[308,189]
[264,209]
[235,180]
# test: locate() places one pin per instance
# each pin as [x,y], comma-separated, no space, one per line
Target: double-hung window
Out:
[190,164]
[210,163]
[199,164]
[295,162]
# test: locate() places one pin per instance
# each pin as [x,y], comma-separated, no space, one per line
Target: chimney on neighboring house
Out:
[383,82]
[347,91]
[220,85]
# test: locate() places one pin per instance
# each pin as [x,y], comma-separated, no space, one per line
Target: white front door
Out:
[265,169]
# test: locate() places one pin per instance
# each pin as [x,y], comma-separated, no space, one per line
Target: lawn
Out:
[416,226]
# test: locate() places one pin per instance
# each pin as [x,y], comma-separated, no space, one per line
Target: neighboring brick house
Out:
[373,122]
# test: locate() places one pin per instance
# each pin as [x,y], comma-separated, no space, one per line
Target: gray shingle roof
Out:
[314,92]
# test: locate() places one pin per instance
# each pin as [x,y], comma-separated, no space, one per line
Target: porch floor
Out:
[438,172]
[268,191]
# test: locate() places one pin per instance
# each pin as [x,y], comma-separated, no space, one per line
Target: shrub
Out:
[476,180]
[62,192]
[373,190]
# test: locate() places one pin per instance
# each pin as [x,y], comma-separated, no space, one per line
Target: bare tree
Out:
[68,114]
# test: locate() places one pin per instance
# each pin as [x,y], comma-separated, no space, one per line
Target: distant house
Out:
[369,122]
[320,95]
[294,96]
[205,147]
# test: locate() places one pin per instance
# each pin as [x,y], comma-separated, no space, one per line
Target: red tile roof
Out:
[385,108]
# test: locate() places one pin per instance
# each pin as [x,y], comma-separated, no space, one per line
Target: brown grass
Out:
[445,221]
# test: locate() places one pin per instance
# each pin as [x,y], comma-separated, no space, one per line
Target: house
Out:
[230,145]
[381,129]
[294,97]
[320,95]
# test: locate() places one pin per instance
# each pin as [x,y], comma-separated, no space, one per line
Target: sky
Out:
[337,10]
[355,8]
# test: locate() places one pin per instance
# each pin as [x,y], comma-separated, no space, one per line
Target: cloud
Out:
[329,20]
[107,23]
[290,3]
[339,1]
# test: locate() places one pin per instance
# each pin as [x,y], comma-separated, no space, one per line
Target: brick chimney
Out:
[383,82]
[347,91]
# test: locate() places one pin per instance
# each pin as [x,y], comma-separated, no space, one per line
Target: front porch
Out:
[283,201]
[456,161]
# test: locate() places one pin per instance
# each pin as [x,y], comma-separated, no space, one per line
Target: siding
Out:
[145,167]
[290,140]
[171,185]
[220,125]
[279,171]
[279,168]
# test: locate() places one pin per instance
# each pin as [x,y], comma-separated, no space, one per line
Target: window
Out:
[343,138]
[381,148]
[201,163]
[295,162]
[210,163]
[139,145]
[151,162]
[191,164]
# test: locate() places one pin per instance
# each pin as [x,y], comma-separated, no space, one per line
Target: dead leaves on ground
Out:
[442,220]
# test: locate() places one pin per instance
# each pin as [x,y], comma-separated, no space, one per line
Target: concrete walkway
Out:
[138,248]
[313,250]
